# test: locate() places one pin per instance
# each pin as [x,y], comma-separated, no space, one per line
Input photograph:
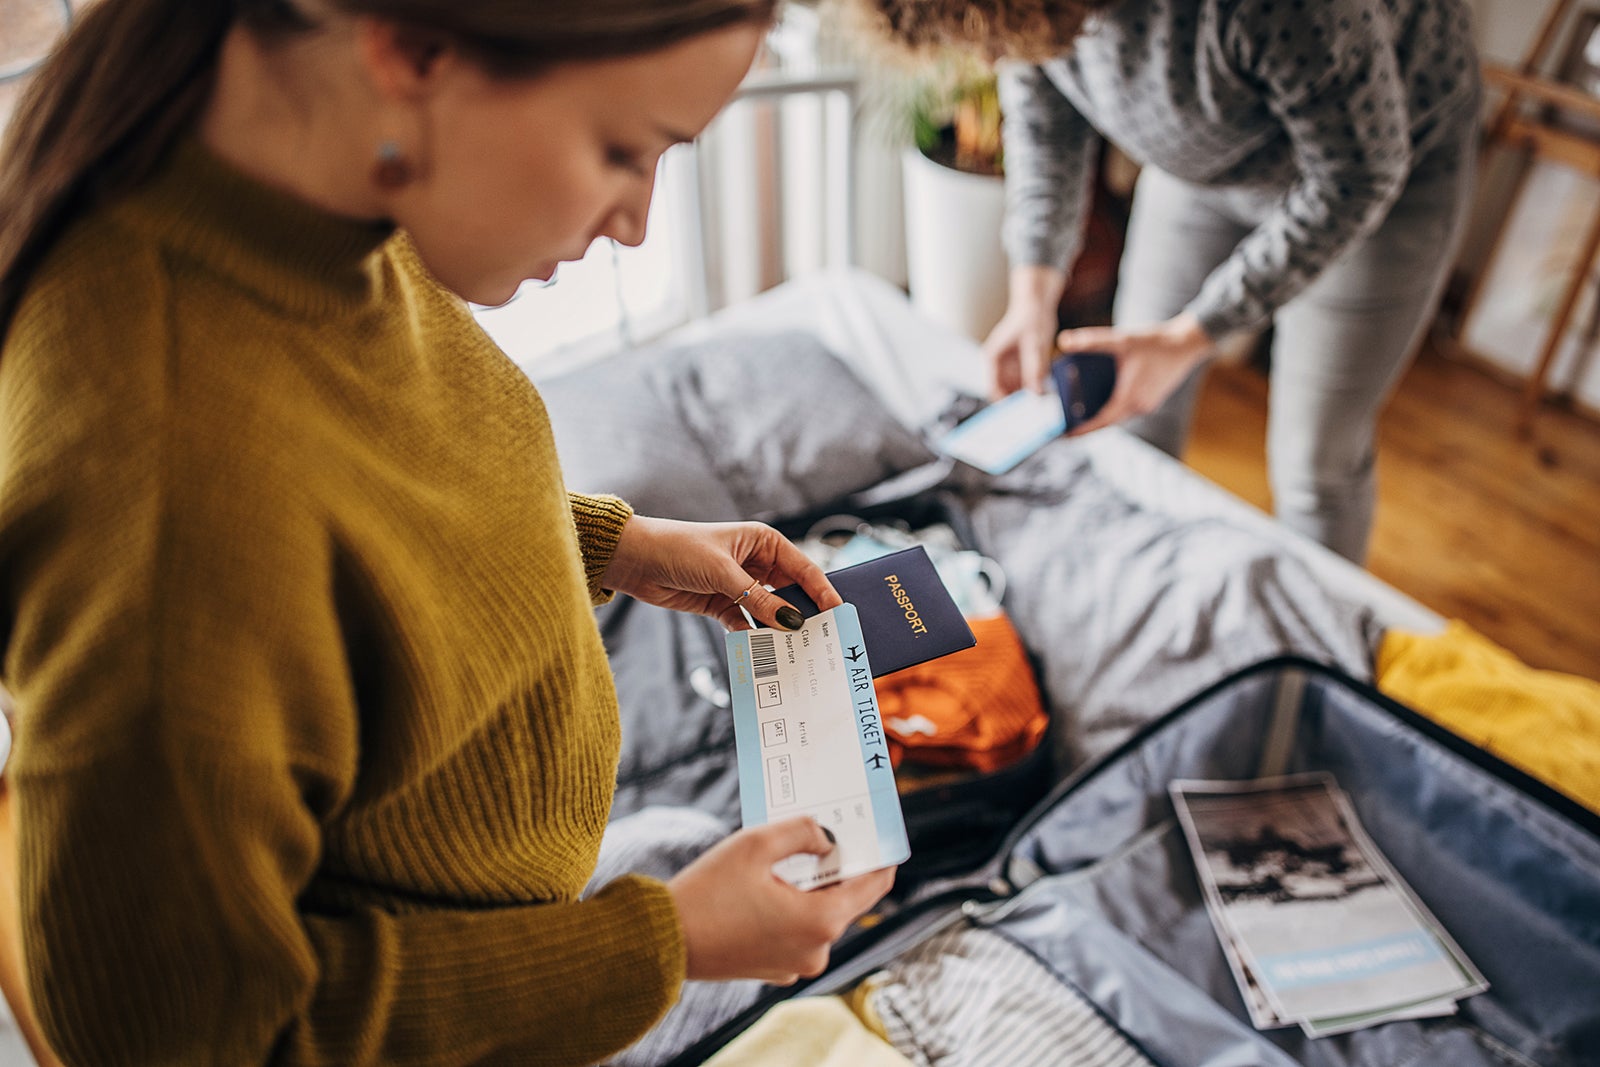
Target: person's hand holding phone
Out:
[742,921]
[1152,361]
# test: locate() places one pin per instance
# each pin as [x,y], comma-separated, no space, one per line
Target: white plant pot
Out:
[955,266]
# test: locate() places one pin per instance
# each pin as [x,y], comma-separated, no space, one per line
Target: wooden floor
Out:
[1477,524]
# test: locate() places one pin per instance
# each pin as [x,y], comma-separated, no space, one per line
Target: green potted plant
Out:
[954,194]
[954,108]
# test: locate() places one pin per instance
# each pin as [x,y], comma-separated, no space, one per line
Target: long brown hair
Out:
[132,75]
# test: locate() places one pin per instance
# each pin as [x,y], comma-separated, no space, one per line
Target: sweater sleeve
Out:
[1343,104]
[1049,151]
[599,520]
[188,730]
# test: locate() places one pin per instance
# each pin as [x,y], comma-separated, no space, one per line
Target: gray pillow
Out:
[787,424]
[735,426]
[618,431]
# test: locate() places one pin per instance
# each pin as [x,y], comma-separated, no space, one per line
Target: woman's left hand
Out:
[708,567]
[1152,361]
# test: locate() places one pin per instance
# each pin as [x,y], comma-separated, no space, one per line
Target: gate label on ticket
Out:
[811,742]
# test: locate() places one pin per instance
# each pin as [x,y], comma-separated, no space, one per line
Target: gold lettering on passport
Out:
[898,591]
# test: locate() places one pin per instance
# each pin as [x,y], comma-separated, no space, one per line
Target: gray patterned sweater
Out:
[1328,103]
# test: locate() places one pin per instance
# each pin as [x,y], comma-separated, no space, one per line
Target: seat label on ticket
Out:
[811,742]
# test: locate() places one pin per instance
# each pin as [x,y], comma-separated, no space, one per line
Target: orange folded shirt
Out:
[979,708]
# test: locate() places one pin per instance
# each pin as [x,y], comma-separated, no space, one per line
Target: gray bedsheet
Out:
[1128,609]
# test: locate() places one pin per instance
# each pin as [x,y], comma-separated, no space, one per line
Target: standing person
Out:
[1305,162]
[316,735]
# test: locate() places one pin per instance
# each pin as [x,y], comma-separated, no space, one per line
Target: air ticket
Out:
[811,742]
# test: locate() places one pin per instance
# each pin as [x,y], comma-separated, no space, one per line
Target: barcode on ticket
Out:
[763,656]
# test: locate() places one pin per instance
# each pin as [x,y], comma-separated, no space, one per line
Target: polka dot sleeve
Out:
[1049,147]
[1321,106]
[1330,75]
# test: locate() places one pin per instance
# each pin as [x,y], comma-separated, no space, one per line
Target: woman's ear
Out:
[404,62]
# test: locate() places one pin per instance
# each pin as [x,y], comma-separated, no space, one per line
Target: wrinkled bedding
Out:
[1133,583]
[1127,608]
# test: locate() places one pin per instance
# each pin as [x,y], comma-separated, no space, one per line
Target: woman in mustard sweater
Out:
[316,736]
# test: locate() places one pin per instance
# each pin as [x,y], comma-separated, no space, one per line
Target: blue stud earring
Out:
[392,170]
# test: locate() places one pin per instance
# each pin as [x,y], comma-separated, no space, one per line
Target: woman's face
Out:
[517,175]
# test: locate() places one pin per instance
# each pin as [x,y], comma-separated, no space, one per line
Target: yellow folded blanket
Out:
[1543,722]
[809,1032]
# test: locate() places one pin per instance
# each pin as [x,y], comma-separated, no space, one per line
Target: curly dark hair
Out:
[993,29]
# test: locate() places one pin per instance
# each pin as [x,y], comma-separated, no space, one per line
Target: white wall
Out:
[1505,28]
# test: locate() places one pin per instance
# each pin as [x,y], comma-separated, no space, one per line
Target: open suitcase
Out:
[1096,884]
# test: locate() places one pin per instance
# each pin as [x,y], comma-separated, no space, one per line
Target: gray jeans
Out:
[1339,347]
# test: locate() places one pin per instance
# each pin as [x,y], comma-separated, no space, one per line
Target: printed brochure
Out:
[1319,929]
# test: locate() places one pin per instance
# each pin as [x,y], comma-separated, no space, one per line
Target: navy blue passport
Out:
[907,615]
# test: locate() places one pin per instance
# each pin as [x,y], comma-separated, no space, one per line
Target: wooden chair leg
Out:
[1545,37]
[1475,284]
[1533,391]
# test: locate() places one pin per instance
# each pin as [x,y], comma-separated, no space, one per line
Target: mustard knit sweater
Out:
[317,736]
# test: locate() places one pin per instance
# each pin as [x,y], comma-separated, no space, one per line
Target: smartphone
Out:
[1085,381]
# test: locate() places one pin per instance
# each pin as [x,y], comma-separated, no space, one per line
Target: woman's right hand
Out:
[742,921]
[1022,344]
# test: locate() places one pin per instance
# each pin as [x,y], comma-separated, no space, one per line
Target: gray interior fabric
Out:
[1116,909]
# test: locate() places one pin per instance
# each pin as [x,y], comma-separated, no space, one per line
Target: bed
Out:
[1133,582]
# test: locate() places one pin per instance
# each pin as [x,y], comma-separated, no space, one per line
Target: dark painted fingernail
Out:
[789,617]
[829,835]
